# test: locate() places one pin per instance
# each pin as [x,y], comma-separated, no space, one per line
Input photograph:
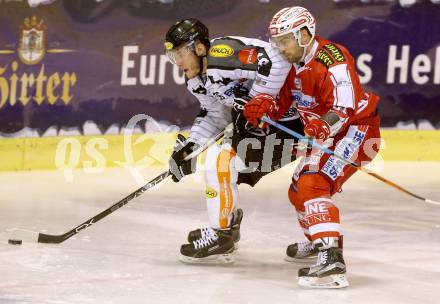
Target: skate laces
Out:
[205,232]
[305,247]
[208,237]
[322,258]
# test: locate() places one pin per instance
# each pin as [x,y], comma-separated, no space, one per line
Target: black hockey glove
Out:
[179,167]
[241,97]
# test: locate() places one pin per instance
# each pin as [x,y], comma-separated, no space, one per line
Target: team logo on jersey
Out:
[32,41]
[248,56]
[324,58]
[210,193]
[335,52]
[298,84]
[221,50]
[303,100]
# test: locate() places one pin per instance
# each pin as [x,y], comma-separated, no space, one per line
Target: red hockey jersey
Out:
[328,81]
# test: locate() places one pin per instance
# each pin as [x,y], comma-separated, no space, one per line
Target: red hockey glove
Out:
[258,106]
[318,129]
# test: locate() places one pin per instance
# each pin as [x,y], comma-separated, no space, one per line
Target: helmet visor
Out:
[180,53]
[283,41]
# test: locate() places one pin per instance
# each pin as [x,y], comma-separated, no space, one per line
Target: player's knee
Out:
[220,166]
[294,198]
[211,165]
[312,186]
[224,160]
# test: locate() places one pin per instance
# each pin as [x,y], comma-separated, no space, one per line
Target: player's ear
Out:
[305,36]
[200,49]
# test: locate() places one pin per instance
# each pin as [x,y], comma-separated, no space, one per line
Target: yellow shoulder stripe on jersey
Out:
[335,52]
[221,50]
[324,58]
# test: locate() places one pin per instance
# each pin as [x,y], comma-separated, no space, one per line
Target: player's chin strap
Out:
[304,46]
[355,165]
[201,60]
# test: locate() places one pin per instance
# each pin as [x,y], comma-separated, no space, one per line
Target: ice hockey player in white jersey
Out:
[223,74]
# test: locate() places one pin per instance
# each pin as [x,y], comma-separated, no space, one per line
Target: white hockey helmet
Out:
[292,20]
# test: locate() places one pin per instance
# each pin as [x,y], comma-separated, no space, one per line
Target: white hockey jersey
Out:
[233,61]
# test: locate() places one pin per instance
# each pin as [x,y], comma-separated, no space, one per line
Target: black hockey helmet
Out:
[186,31]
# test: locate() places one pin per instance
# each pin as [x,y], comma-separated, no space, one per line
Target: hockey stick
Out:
[56,239]
[355,165]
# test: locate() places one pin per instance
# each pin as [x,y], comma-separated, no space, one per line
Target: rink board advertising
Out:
[70,62]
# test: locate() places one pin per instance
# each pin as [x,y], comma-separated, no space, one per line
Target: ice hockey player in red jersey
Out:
[223,74]
[336,111]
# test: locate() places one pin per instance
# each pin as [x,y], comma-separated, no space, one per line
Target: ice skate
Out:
[328,272]
[235,229]
[302,251]
[214,247]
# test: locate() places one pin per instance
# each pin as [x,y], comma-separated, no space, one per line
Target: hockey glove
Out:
[260,105]
[318,129]
[179,167]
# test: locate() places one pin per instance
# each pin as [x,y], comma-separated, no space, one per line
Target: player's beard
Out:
[300,56]
[294,57]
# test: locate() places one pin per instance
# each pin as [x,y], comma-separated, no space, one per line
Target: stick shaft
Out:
[56,239]
[357,166]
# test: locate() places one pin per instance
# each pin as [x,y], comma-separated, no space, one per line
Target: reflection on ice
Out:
[392,242]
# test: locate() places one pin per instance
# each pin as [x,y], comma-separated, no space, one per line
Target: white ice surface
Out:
[392,241]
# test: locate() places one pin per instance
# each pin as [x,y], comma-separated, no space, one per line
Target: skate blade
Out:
[331,281]
[300,260]
[226,258]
